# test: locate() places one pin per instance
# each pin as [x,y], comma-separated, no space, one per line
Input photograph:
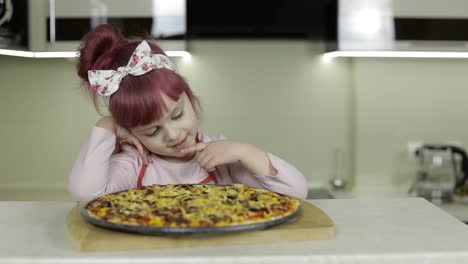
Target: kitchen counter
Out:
[457,208]
[388,230]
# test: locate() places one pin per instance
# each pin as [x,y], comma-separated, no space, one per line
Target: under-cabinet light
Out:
[71,54]
[175,53]
[395,54]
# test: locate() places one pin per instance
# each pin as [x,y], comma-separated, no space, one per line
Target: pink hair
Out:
[138,101]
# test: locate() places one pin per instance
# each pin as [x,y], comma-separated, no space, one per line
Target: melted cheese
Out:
[192,205]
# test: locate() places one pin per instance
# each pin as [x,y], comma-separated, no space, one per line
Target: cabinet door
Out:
[59,25]
[14,24]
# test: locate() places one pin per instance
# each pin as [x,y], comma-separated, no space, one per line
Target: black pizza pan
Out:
[179,231]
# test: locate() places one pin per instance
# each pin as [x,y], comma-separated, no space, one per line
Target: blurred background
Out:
[300,79]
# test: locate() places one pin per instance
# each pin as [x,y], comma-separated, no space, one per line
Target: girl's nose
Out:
[170,133]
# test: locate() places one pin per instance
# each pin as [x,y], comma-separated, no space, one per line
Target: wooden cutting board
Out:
[312,224]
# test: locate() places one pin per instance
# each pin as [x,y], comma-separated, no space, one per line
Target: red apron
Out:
[208,179]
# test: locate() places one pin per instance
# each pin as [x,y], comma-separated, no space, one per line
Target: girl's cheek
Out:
[150,146]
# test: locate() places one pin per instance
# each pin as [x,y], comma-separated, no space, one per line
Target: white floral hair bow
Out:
[143,60]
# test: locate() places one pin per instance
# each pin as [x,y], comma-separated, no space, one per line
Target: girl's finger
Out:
[200,155]
[126,137]
[194,148]
[205,160]
[141,151]
[148,156]
[210,164]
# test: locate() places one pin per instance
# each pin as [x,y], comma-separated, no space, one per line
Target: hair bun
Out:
[97,48]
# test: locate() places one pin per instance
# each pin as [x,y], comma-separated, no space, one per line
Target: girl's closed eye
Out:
[179,115]
[154,133]
[156,130]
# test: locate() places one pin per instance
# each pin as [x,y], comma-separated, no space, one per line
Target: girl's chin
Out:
[188,156]
[181,157]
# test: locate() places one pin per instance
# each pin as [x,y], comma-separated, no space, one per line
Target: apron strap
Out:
[141,175]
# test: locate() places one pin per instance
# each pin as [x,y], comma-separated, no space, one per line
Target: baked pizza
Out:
[191,207]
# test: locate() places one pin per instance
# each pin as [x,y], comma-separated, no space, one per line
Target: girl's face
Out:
[177,129]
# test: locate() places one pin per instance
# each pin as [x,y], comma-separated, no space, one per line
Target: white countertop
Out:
[457,208]
[387,230]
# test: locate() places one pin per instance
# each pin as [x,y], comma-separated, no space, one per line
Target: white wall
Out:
[276,94]
[402,100]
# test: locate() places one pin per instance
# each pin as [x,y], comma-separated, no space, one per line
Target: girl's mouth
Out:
[180,144]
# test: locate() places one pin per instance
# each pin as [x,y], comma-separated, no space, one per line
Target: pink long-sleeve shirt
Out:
[98,170]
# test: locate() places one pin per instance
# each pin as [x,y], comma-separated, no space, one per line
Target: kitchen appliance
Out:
[443,169]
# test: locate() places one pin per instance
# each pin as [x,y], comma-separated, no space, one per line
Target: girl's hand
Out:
[215,153]
[220,152]
[124,136]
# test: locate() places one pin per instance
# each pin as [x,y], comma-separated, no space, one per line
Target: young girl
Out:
[153,136]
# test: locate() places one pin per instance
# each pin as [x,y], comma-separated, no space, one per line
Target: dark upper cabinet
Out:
[403,25]
[14,24]
[311,19]
[59,25]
